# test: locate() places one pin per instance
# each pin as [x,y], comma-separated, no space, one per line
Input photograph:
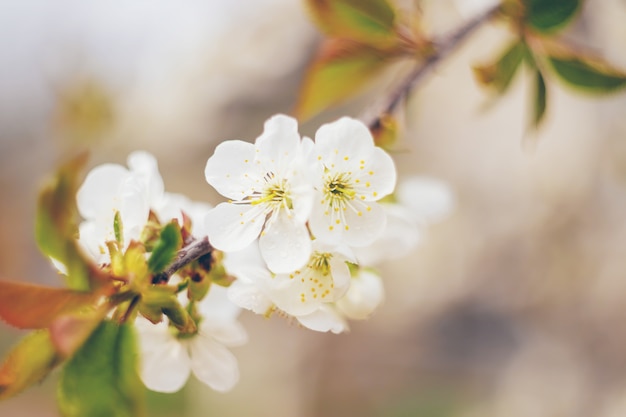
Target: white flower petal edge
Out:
[366,293]
[324,319]
[285,244]
[165,364]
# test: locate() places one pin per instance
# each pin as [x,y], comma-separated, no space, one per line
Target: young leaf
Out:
[339,71]
[28,306]
[539,106]
[28,363]
[55,224]
[101,379]
[500,73]
[166,247]
[550,15]
[368,21]
[588,74]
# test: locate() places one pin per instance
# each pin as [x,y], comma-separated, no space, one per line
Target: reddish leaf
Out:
[340,70]
[28,306]
[367,21]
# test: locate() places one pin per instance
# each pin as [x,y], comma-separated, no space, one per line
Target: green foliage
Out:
[28,306]
[56,227]
[588,74]
[165,248]
[340,70]
[101,379]
[549,15]
[500,73]
[30,361]
[368,21]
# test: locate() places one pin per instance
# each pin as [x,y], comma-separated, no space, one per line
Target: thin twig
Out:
[185,256]
[442,49]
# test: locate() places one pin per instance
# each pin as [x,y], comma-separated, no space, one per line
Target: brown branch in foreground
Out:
[185,256]
[442,49]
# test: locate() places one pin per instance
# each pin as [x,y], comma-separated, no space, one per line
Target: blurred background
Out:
[513,306]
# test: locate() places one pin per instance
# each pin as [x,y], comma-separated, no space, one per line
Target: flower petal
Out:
[232,227]
[365,294]
[248,295]
[144,165]
[99,191]
[285,243]
[231,169]
[376,176]
[343,143]
[230,333]
[360,225]
[278,145]
[402,233]
[213,364]
[165,364]
[324,319]
[217,306]
[341,276]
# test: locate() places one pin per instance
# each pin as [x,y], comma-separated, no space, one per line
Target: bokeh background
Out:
[513,306]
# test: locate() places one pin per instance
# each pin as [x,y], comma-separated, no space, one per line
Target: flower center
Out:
[276,193]
[320,261]
[339,187]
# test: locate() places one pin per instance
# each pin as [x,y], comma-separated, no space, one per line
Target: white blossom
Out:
[167,359]
[111,188]
[269,196]
[352,174]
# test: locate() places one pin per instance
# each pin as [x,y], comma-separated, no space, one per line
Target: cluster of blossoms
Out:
[305,223]
[309,203]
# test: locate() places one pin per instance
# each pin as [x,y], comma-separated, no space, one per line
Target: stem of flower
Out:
[185,256]
[442,49]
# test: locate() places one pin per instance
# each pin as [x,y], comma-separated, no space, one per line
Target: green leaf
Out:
[540,100]
[367,21]
[30,361]
[28,306]
[499,74]
[166,247]
[101,379]
[550,15]
[340,70]
[56,223]
[588,74]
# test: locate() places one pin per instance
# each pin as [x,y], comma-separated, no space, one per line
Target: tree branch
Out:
[442,49]
[185,256]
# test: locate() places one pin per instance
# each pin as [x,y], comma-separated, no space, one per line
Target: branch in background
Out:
[185,256]
[442,49]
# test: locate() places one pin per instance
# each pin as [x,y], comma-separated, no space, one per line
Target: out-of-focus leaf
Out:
[549,15]
[101,379]
[385,131]
[589,74]
[499,74]
[85,111]
[539,106]
[55,225]
[165,249]
[339,71]
[367,21]
[30,361]
[28,306]
[69,332]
